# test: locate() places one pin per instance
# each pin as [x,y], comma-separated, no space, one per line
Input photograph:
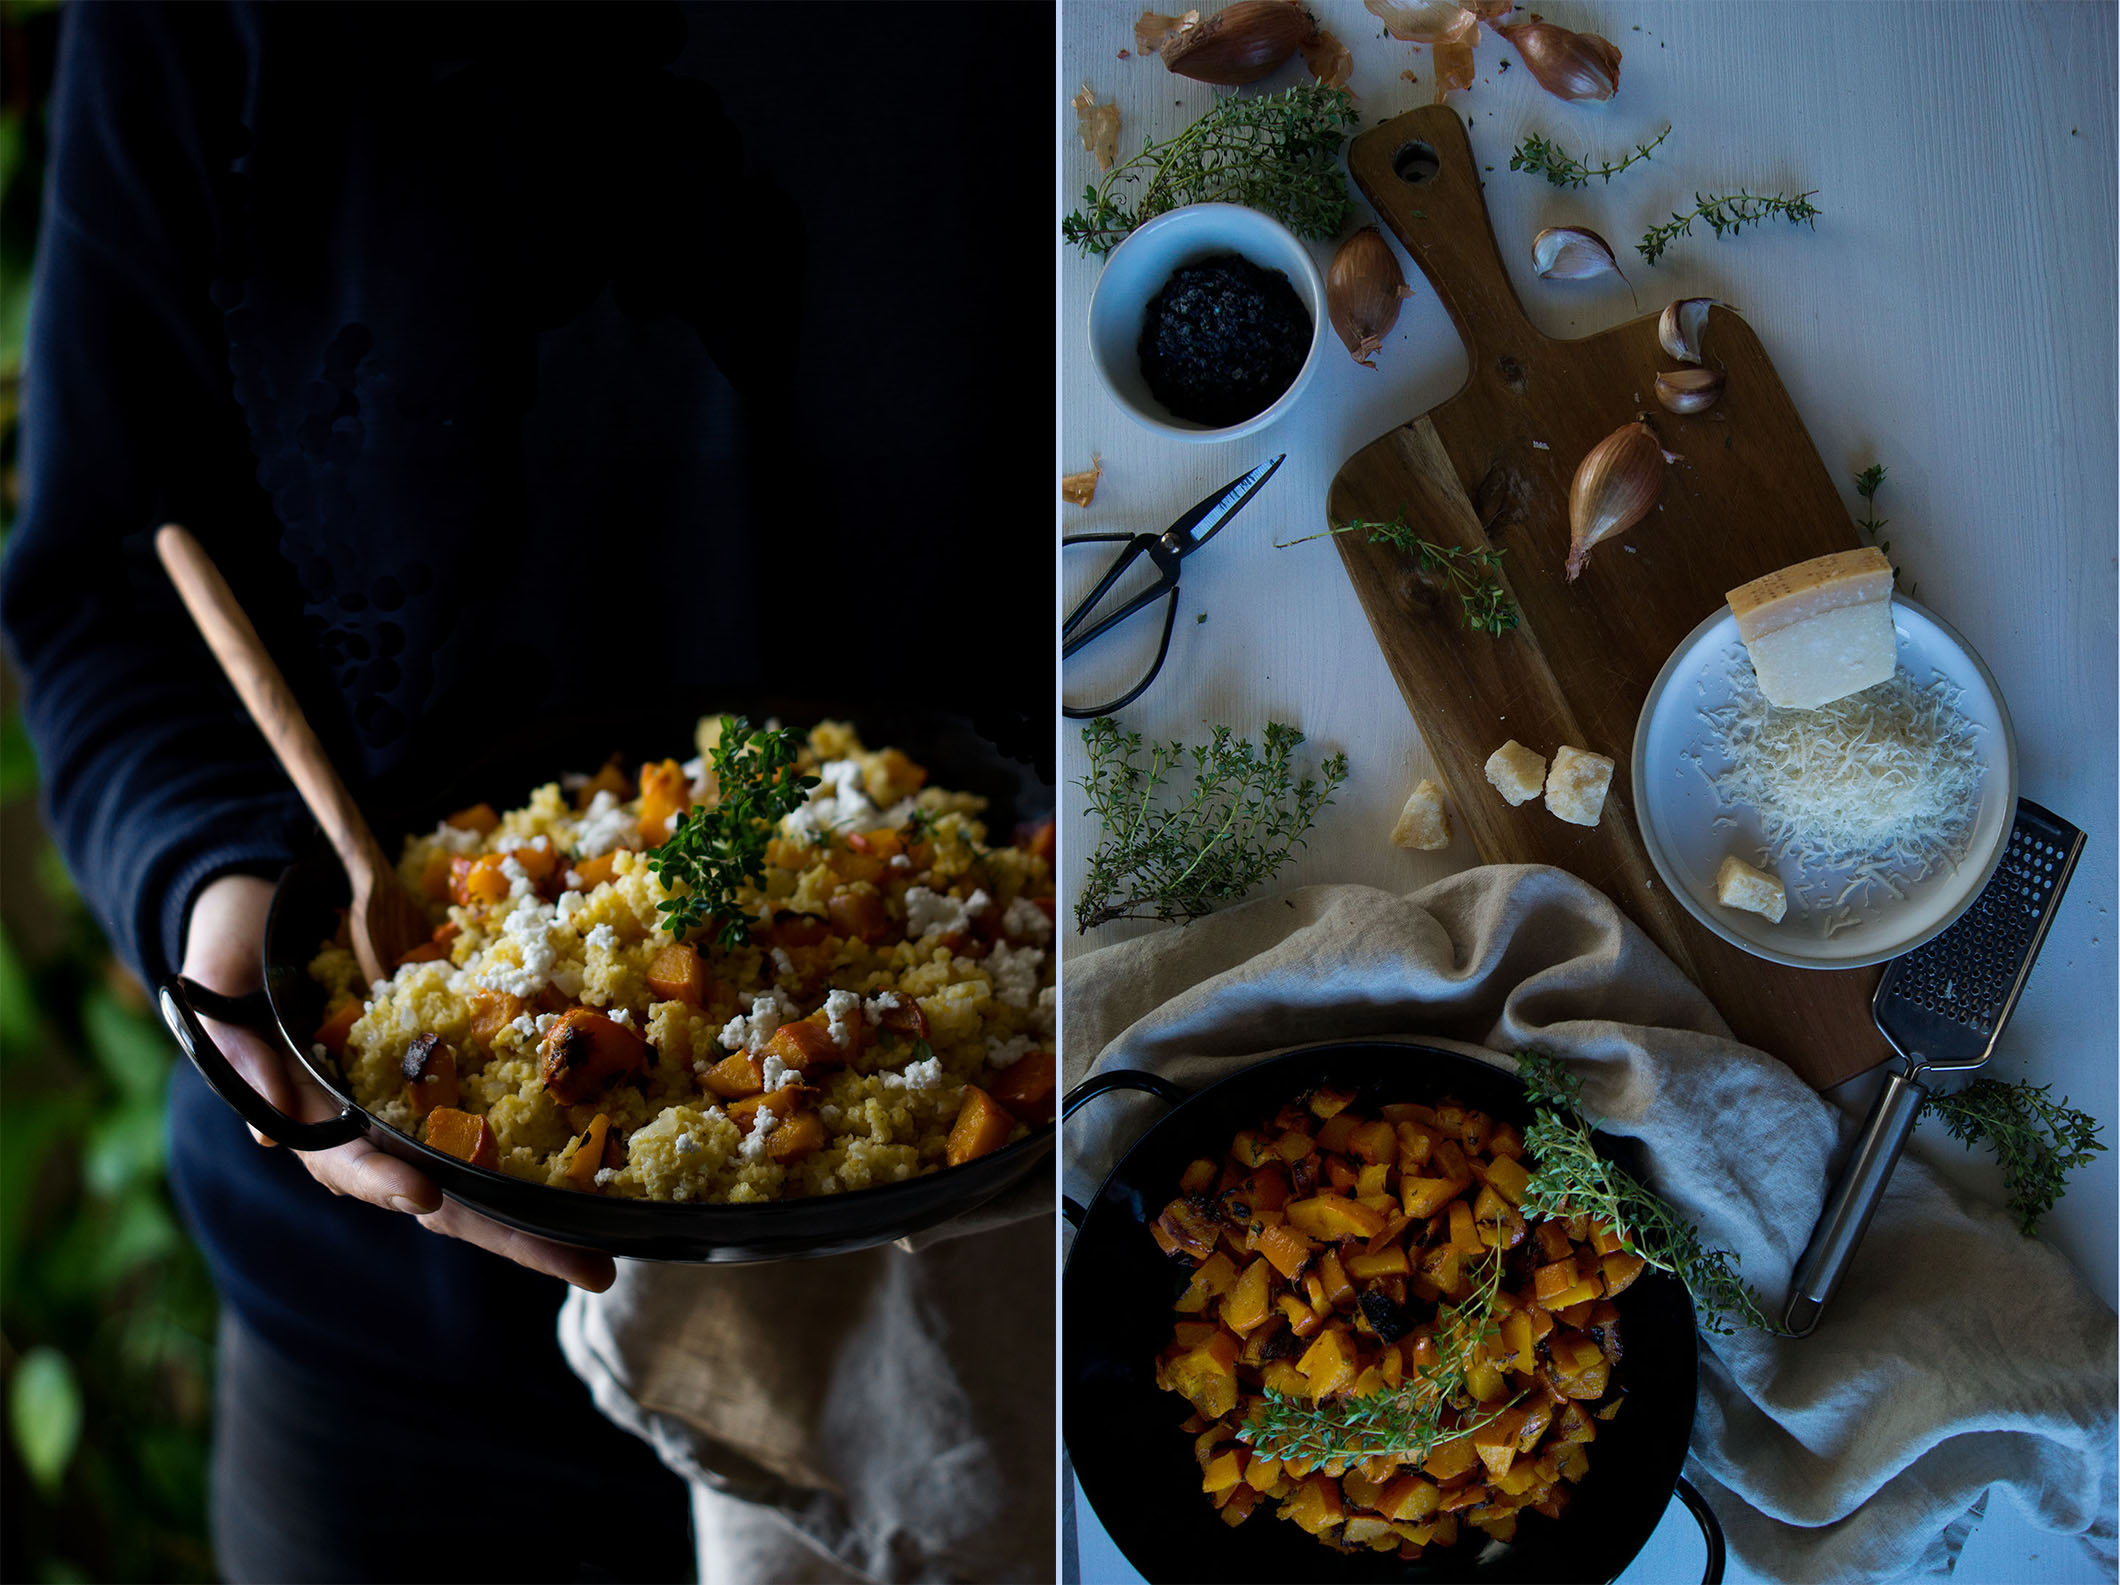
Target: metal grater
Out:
[1942,1007]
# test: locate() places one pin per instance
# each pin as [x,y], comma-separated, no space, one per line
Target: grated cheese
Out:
[1882,785]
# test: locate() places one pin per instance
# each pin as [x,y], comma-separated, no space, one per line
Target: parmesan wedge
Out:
[1423,823]
[1739,885]
[1576,786]
[1516,772]
[1820,630]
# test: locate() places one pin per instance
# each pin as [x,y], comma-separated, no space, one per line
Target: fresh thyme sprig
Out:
[1572,1179]
[1473,575]
[718,847]
[1730,212]
[2038,1141]
[1867,484]
[1543,157]
[1403,1424]
[1279,153]
[1209,845]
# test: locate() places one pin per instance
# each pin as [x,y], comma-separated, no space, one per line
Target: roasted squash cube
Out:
[1027,1086]
[799,1135]
[464,1136]
[676,974]
[1214,1278]
[588,1157]
[1333,1217]
[982,1126]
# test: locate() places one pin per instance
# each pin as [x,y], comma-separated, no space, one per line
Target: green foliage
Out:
[1542,157]
[2037,1141]
[1406,1423]
[1205,846]
[1731,213]
[44,1415]
[1474,576]
[1279,153]
[717,848]
[1571,1179]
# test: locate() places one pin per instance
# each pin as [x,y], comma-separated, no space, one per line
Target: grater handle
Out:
[1855,1198]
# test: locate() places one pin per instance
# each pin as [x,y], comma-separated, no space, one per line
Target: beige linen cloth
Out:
[1958,1355]
[885,1415]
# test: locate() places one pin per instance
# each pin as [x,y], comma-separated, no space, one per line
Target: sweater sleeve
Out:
[153,780]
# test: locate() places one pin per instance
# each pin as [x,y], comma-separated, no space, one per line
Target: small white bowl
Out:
[1137,271]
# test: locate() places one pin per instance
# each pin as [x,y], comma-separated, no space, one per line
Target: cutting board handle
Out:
[1417,170]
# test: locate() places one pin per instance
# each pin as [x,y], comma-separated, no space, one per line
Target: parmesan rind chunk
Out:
[1423,823]
[1516,772]
[1820,630]
[1739,885]
[1576,786]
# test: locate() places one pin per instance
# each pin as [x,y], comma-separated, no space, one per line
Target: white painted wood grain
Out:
[1952,316]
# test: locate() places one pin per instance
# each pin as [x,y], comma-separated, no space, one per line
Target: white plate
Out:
[1676,751]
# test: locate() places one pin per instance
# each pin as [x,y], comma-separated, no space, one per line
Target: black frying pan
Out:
[1122,1435]
[959,755]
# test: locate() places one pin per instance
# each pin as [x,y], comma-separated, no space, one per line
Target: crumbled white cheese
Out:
[842,1009]
[456,839]
[602,939]
[520,885]
[686,1145]
[838,802]
[900,862]
[783,962]
[779,1076]
[605,825]
[930,913]
[877,1006]
[525,1025]
[828,1115]
[546,1023]
[1007,1053]
[620,1015]
[607,1174]
[1046,1012]
[570,904]
[1026,921]
[529,925]
[1014,971]
[924,1075]
[754,1145]
[574,881]
[747,1032]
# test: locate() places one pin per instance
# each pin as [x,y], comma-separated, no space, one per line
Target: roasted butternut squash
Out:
[463,1135]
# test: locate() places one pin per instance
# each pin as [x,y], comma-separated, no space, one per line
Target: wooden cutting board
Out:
[1492,467]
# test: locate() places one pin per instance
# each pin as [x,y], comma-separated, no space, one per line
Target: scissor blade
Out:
[1207,519]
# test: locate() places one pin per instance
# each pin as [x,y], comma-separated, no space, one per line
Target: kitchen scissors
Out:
[1166,550]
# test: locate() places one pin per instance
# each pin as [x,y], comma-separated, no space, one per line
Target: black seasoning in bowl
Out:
[1223,340]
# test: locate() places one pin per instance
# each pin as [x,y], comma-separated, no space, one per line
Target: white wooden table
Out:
[1951,316]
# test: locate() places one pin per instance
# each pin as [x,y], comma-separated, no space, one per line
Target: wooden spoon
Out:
[386,922]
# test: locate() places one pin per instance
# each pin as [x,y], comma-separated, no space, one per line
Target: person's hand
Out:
[222,951]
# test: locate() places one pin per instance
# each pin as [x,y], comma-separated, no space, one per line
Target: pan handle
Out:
[1855,1198]
[1116,1079]
[1710,1529]
[182,1001]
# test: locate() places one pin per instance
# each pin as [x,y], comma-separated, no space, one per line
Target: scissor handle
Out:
[1166,580]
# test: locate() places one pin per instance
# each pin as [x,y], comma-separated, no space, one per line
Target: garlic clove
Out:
[1614,488]
[1419,21]
[1567,65]
[1240,43]
[1689,390]
[1571,253]
[1680,325]
[1363,290]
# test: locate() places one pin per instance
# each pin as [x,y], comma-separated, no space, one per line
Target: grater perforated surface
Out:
[1944,1003]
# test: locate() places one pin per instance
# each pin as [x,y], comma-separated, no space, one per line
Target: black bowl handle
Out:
[1116,1079]
[182,1001]
[1710,1529]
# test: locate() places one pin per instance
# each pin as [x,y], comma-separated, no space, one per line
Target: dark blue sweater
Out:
[509,363]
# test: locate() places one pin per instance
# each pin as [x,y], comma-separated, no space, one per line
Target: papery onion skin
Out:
[1615,487]
[1153,27]
[1328,60]
[1567,65]
[1240,43]
[1363,291]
